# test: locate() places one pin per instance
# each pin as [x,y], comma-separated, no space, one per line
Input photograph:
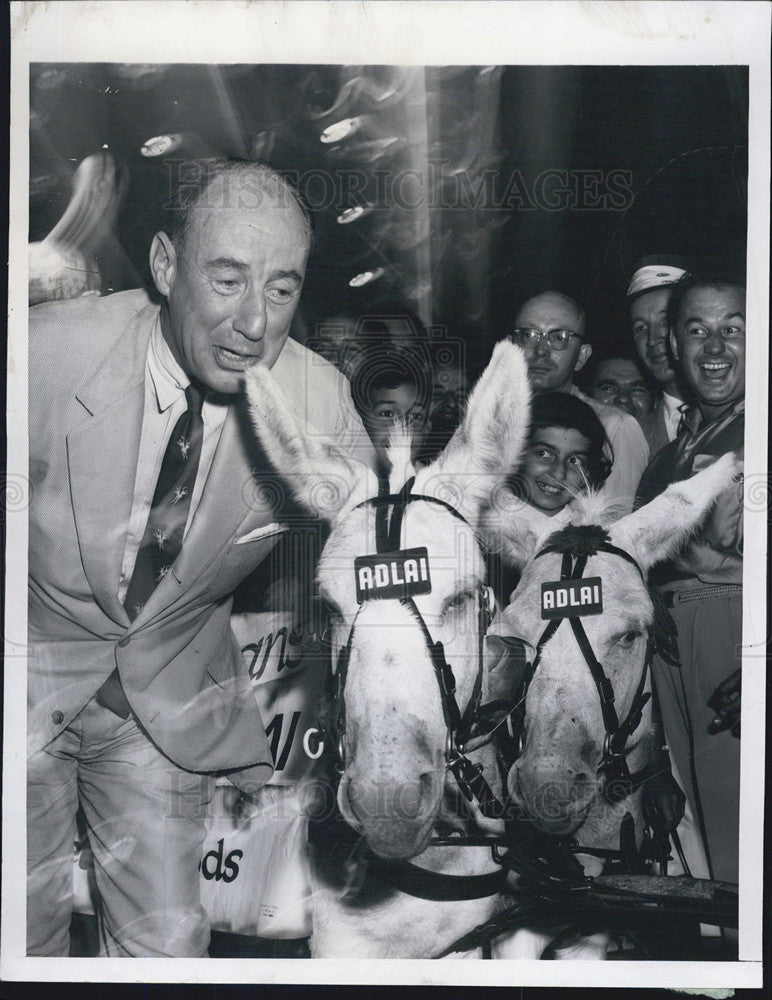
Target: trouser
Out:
[145,819]
[709,623]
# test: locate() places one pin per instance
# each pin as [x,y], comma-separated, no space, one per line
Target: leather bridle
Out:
[389,513]
[619,782]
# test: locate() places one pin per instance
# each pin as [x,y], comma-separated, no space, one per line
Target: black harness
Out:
[619,782]
[576,544]
[389,514]
[402,875]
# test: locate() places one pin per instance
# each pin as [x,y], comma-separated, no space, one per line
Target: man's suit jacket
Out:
[654,430]
[179,662]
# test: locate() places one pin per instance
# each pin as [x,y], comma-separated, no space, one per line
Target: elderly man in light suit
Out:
[137,693]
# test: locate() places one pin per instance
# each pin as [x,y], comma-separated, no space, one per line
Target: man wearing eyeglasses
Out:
[550,328]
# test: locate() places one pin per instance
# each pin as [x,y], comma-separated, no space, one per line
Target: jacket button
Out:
[57,718]
[124,641]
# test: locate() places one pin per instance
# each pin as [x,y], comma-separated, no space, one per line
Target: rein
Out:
[619,782]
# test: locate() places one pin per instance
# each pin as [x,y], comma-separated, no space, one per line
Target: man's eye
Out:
[628,639]
[280,295]
[696,331]
[576,460]
[226,285]
[640,328]
[542,453]
[732,331]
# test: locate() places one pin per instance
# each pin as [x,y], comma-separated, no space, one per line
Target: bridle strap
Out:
[614,764]
[459,725]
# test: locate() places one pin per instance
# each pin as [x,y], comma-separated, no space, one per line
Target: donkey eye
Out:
[628,639]
[457,602]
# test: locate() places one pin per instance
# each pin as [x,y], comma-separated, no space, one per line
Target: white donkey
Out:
[588,733]
[394,725]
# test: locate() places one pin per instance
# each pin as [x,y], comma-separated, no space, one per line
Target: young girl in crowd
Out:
[390,387]
[567,453]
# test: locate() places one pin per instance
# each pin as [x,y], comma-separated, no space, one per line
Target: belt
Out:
[673,597]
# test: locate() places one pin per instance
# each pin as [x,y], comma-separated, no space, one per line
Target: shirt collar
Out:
[169,380]
[693,418]
[672,404]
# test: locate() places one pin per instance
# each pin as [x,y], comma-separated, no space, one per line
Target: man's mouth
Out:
[715,370]
[234,361]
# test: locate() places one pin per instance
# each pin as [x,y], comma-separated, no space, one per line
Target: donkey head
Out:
[556,779]
[395,734]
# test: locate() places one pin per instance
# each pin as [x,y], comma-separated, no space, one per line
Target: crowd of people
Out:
[141,528]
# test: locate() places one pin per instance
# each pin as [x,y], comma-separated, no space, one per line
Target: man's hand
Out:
[663,801]
[725,702]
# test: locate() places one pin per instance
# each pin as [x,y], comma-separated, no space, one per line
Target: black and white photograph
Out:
[385,539]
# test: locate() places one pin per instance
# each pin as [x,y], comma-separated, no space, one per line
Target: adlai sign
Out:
[567,598]
[393,574]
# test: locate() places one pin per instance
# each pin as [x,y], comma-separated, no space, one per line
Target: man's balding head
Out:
[549,367]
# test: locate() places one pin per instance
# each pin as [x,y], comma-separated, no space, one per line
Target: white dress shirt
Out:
[165,402]
[672,409]
[631,452]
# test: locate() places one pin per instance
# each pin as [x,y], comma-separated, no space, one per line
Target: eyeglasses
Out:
[557,339]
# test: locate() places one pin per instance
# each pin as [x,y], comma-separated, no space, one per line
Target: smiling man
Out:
[700,697]
[649,293]
[550,328]
[147,511]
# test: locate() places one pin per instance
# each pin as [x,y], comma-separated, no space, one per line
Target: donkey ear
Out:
[487,446]
[513,528]
[659,529]
[323,477]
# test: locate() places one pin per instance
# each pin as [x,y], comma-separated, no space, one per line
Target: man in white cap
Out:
[649,293]
[551,330]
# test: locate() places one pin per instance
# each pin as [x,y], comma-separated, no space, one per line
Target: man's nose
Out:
[542,348]
[657,333]
[714,343]
[250,316]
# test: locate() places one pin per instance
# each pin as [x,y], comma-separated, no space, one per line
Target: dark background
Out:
[667,145]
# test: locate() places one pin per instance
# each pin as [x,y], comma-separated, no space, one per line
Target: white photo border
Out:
[385,32]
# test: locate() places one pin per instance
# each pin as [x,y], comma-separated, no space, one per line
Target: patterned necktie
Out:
[165,528]
[168,516]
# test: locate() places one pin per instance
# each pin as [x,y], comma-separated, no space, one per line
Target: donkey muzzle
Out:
[395,817]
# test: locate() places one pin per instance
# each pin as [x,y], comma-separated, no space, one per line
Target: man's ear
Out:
[163,262]
[583,356]
[674,344]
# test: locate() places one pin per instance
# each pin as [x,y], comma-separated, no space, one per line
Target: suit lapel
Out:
[102,456]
